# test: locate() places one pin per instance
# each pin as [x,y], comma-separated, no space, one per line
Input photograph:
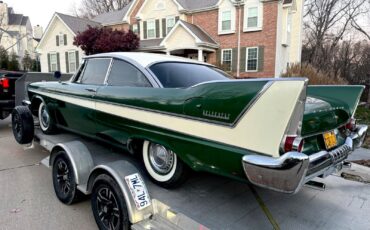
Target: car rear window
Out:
[184,75]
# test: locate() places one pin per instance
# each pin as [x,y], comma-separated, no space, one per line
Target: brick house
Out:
[250,38]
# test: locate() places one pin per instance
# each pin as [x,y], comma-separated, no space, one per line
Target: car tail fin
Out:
[347,97]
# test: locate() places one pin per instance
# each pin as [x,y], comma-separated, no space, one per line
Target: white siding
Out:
[48,45]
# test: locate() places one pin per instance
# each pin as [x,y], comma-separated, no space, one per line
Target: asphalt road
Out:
[27,199]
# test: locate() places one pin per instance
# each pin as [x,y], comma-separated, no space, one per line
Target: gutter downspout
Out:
[238,58]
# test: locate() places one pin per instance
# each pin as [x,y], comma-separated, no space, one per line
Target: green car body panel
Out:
[219,103]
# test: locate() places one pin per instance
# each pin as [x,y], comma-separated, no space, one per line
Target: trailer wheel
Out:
[108,204]
[46,123]
[64,180]
[22,125]
[163,165]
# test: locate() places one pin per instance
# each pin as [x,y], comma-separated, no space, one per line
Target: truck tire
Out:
[47,124]
[163,165]
[64,181]
[108,204]
[22,125]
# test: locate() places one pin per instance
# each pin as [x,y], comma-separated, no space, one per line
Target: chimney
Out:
[37,31]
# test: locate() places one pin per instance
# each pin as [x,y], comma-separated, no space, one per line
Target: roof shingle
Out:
[77,24]
[114,16]
[203,36]
[196,4]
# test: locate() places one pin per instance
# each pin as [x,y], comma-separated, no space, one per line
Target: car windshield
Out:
[184,75]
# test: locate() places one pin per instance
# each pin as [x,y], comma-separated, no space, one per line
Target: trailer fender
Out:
[80,158]
[118,170]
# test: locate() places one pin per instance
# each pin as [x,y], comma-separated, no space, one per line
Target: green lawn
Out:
[363,116]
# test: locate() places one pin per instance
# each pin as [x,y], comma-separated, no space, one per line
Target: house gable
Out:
[156,9]
[180,38]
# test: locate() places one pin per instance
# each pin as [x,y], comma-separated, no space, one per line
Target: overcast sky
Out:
[41,11]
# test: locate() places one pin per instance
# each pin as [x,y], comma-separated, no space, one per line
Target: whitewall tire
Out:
[163,165]
[45,120]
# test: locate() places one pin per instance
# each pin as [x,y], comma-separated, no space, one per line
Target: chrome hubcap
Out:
[161,159]
[45,118]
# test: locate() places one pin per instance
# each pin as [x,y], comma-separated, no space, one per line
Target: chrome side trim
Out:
[289,172]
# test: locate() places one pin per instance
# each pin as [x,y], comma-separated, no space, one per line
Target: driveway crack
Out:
[18,167]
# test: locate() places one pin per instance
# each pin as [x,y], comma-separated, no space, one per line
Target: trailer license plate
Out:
[330,140]
[138,191]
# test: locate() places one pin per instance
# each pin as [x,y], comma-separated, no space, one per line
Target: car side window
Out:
[125,74]
[95,71]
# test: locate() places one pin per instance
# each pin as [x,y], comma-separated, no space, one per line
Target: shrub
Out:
[314,76]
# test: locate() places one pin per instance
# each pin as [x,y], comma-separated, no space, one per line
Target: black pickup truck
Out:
[7,91]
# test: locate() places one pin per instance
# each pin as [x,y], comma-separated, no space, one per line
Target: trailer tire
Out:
[170,174]
[46,122]
[108,204]
[22,125]
[64,180]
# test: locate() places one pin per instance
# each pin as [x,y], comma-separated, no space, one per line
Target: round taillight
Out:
[351,125]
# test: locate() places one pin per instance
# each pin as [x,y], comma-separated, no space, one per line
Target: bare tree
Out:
[92,8]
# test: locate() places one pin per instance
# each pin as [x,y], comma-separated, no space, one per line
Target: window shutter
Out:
[131,27]
[57,39]
[138,28]
[234,60]
[145,30]
[67,63]
[157,28]
[243,59]
[261,50]
[177,18]
[58,62]
[49,64]
[65,39]
[218,57]
[77,60]
[164,32]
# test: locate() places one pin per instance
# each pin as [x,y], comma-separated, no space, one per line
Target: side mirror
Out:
[57,75]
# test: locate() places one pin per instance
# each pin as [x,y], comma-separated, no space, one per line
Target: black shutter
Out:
[157,28]
[243,56]
[49,64]
[131,28]
[57,39]
[138,28]
[218,57]
[164,29]
[145,30]
[177,18]
[261,51]
[67,63]
[77,60]
[58,62]
[234,60]
[65,39]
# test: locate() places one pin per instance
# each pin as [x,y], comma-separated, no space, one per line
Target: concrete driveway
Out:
[27,199]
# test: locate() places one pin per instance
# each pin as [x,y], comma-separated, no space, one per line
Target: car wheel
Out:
[163,165]
[46,123]
[22,125]
[108,204]
[64,180]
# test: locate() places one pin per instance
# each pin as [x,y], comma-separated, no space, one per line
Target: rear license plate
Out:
[138,191]
[330,140]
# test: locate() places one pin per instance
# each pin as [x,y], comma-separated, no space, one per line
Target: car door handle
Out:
[91,90]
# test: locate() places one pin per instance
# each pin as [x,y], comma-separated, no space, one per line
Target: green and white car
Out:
[181,114]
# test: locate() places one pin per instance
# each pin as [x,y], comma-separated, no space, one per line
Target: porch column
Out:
[200,55]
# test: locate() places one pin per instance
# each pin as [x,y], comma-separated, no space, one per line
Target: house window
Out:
[252,59]
[135,29]
[252,20]
[72,61]
[53,62]
[226,59]
[151,29]
[226,20]
[170,23]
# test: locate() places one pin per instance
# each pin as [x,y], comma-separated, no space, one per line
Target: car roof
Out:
[146,59]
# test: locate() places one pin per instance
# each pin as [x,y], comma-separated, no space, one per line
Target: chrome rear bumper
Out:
[292,170]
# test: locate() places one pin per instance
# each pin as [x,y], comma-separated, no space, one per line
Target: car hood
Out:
[320,116]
